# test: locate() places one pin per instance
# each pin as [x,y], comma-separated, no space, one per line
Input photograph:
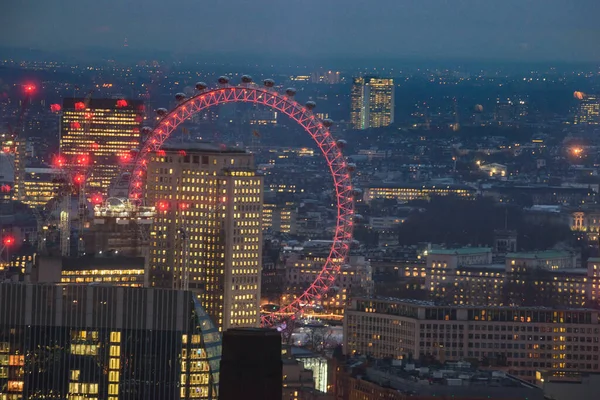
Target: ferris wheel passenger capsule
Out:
[310,105]
[223,80]
[291,92]
[161,112]
[341,143]
[269,83]
[328,123]
[180,96]
[201,86]
[246,79]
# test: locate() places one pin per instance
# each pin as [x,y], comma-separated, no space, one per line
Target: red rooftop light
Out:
[55,108]
[121,103]
[80,105]
[29,88]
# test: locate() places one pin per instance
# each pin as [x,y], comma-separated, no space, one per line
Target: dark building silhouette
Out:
[105,342]
[251,366]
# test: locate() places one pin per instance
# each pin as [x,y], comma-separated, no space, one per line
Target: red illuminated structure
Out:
[29,88]
[8,241]
[58,162]
[96,198]
[316,128]
[78,179]
[55,108]
[121,103]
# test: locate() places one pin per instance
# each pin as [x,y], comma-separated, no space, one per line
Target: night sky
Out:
[525,30]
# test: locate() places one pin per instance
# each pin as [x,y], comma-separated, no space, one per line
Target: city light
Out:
[83,160]
[55,108]
[29,88]
[79,179]
[121,103]
[58,161]
[96,198]
[8,241]
[80,105]
[162,206]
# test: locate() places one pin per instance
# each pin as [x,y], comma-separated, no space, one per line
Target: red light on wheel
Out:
[121,103]
[80,105]
[79,179]
[83,159]
[96,198]
[58,162]
[55,108]
[8,241]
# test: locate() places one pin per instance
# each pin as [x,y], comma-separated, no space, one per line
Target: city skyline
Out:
[539,30]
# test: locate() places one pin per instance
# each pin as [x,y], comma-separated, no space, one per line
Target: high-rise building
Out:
[207,233]
[105,342]
[40,185]
[372,102]
[105,129]
[251,366]
[588,110]
[19,169]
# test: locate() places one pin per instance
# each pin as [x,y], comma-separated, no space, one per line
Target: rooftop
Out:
[540,254]
[461,251]
[422,186]
[202,147]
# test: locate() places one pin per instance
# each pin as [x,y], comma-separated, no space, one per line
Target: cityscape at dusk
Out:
[300,200]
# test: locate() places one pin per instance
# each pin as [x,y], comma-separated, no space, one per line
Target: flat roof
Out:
[203,147]
[495,267]
[421,186]
[461,251]
[540,254]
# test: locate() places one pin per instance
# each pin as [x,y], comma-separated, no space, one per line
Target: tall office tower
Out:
[251,364]
[588,110]
[40,186]
[19,169]
[105,129]
[105,342]
[372,102]
[207,233]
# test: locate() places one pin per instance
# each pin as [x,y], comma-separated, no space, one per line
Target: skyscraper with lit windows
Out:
[588,110]
[207,234]
[105,129]
[372,102]
[105,342]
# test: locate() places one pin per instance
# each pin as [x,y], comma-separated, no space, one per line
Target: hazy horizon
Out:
[509,30]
